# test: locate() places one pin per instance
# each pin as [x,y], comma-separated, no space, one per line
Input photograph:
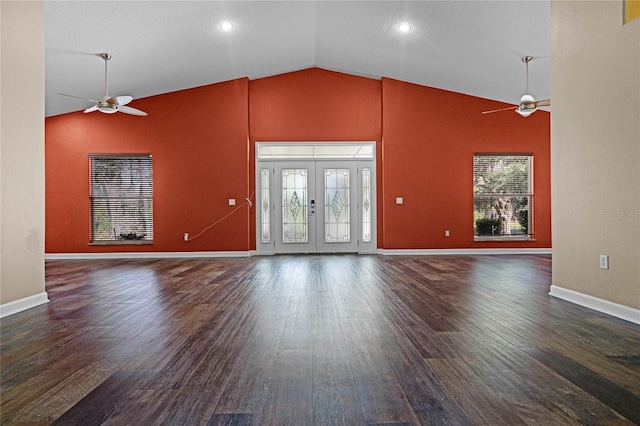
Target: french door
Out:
[315,210]
[315,206]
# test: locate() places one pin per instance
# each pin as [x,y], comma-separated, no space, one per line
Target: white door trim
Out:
[364,152]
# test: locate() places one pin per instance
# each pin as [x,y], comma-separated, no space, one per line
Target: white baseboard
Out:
[610,308]
[146,255]
[457,252]
[215,254]
[23,304]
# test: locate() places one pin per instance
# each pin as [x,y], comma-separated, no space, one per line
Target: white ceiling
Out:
[473,47]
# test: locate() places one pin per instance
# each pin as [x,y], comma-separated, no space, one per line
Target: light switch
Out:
[604,261]
[399,200]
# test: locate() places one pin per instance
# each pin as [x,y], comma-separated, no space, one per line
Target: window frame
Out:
[122,240]
[529,236]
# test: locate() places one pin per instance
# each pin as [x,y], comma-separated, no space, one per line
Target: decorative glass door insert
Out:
[337,201]
[295,222]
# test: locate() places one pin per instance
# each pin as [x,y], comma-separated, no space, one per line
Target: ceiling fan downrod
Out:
[526,60]
[106,58]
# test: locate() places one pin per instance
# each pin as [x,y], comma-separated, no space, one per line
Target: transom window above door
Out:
[328,150]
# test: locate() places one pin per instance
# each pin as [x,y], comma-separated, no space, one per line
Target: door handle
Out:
[312,207]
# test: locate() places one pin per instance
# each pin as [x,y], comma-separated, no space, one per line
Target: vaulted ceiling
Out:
[472,47]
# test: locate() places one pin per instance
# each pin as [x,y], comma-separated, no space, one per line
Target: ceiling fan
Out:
[528,105]
[108,104]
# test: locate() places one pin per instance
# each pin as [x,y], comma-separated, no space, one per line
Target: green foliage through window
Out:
[502,194]
[121,196]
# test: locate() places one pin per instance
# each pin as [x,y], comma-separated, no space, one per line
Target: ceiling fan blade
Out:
[501,109]
[544,102]
[120,100]
[78,97]
[130,110]
[91,109]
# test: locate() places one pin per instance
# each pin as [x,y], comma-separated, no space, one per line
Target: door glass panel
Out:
[337,206]
[366,205]
[295,225]
[265,205]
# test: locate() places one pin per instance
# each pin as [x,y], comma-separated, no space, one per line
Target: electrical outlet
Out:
[399,200]
[232,201]
[186,236]
[446,233]
[604,261]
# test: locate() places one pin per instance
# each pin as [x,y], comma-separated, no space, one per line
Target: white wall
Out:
[595,150]
[21,155]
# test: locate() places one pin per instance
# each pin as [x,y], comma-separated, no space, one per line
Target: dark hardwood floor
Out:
[326,340]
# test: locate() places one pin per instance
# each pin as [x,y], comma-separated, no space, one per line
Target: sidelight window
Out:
[366,204]
[265,205]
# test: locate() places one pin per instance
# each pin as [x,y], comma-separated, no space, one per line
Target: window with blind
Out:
[121,198]
[503,195]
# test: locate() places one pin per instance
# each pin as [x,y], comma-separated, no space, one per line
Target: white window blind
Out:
[503,194]
[121,197]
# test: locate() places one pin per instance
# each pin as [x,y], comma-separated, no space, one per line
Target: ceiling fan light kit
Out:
[528,105]
[108,104]
[107,109]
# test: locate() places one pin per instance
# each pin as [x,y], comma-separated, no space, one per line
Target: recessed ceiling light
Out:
[404,27]
[226,26]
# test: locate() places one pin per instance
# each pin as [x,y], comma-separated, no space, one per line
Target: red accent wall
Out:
[429,138]
[199,142]
[315,105]
[203,142]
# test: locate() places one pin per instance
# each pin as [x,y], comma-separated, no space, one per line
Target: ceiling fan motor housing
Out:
[527,106]
[105,106]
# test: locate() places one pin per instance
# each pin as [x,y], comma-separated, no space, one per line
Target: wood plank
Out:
[239,419]
[428,397]
[106,401]
[248,384]
[477,400]
[619,399]
[380,393]
[335,397]
[289,399]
